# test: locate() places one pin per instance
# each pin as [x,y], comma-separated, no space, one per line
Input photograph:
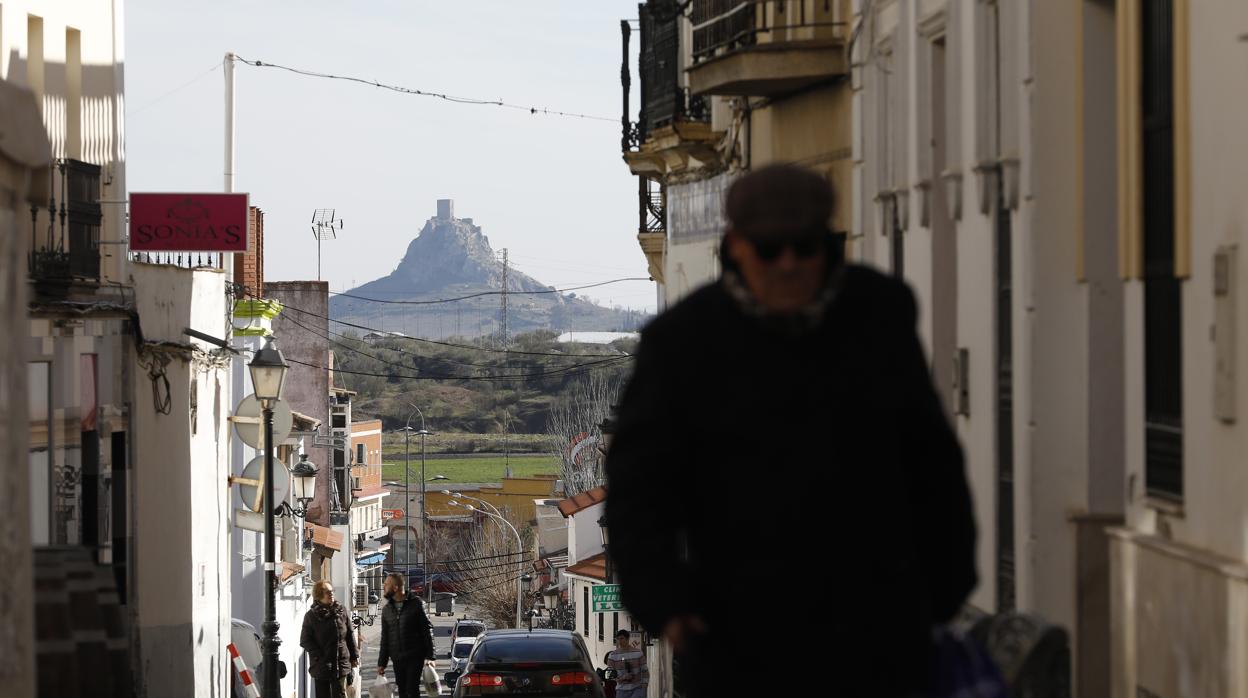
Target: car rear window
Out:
[469,630]
[527,649]
[462,649]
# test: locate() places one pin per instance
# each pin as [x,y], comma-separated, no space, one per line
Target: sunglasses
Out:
[804,248]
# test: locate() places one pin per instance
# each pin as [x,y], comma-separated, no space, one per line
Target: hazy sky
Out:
[553,190]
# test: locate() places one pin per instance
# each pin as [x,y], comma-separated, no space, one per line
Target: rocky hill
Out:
[451,257]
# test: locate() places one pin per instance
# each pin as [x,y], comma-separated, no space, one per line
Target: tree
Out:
[490,567]
[574,431]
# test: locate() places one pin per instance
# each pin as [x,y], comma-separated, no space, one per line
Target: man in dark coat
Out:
[406,636]
[782,463]
[329,640]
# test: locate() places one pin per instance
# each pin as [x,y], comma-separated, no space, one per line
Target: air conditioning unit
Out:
[360,597]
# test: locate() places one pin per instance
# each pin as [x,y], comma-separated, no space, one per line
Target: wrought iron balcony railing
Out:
[723,26]
[65,237]
[664,99]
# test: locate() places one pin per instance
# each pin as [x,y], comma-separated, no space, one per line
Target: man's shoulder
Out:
[867,286]
[688,314]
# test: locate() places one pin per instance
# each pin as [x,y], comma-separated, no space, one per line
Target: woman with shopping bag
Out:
[330,643]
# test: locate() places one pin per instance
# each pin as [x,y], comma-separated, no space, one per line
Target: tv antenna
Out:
[324,227]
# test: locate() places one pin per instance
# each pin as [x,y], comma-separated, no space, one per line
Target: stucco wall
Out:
[181,505]
[307,388]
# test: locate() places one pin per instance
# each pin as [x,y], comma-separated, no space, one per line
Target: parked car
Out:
[460,650]
[529,662]
[467,627]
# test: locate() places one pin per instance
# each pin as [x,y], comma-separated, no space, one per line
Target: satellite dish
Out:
[249,421]
[251,487]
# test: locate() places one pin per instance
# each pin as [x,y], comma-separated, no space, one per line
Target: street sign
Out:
[387,514]
[188,222]
[251,483]
[249,421]
[606,598]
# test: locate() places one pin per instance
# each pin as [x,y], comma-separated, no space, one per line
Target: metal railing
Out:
[664,101]
[65,244]
[722,26]
[186,260]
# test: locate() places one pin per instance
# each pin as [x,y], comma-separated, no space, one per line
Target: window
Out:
[601,627]
[359,454]
[585,605]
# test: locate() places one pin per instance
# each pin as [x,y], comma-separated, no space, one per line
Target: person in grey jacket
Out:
[329,640]
[406,637]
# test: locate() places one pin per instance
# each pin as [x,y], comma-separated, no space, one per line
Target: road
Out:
[441,646]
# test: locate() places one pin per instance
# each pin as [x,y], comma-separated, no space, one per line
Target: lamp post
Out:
[606,542]
[424,522]
[461,495]
[519,551]
[268,372]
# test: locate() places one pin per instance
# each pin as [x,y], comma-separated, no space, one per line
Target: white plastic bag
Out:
[433,684]
[381,688]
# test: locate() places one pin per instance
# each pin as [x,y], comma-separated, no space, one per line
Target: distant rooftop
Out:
[594,337]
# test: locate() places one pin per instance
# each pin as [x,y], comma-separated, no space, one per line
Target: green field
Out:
[471,468]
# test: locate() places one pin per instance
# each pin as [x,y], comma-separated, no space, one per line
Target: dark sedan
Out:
[529,663]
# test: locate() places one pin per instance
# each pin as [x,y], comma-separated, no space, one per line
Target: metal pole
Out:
[407,519]
[271,640]
[424,520]
[227,259]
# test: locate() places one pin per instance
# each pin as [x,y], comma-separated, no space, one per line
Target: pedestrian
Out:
[632,677]
[329,640]
[781,439]
[406,636]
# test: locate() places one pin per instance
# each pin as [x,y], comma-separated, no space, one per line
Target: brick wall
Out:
[249,267]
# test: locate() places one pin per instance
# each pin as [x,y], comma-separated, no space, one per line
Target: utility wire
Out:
[423,93]
[183,86]
[491,293]
[452,377]
[570,370]
[366,328]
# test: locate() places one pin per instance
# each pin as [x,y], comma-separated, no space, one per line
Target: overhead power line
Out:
[491,293]
[388,333]
[425,93]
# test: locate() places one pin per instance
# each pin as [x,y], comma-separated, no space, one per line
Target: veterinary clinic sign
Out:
[188,222]
[606,598]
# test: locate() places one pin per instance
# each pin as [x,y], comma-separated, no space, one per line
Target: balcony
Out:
[765,48]
[673,132]
[65,237]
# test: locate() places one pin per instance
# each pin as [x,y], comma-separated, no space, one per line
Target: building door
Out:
[1163,347]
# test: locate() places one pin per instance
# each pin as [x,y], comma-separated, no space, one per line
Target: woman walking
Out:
[329,641]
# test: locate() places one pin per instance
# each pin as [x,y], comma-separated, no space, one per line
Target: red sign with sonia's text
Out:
[188,222]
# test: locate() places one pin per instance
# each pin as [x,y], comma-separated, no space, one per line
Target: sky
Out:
[553,190]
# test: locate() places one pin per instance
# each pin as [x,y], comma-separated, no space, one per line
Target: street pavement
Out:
[442,626]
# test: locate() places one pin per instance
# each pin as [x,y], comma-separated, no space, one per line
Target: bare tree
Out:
[574,432]
[489,568]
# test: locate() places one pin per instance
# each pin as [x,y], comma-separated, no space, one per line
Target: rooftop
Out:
[582,501]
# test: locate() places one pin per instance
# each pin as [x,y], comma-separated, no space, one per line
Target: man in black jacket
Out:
[406,636]
[781,449]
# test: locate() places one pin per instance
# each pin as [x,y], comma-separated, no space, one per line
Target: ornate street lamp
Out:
[606,541]
[305,485]
[268,373]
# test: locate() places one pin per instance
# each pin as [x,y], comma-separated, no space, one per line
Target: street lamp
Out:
[519,551]
[461,495]
[305,483]
[606,550]
[268,373]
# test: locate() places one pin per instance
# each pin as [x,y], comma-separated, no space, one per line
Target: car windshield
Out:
[469,630]
[527,649]
[462,649]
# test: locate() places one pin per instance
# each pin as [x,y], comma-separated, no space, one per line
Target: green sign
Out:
[606,598]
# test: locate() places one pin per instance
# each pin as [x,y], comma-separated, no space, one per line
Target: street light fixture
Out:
[606,541]
[268,373]
[304,474]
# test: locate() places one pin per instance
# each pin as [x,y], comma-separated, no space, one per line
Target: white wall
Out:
[181,505]
[584,536]
[83,107]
